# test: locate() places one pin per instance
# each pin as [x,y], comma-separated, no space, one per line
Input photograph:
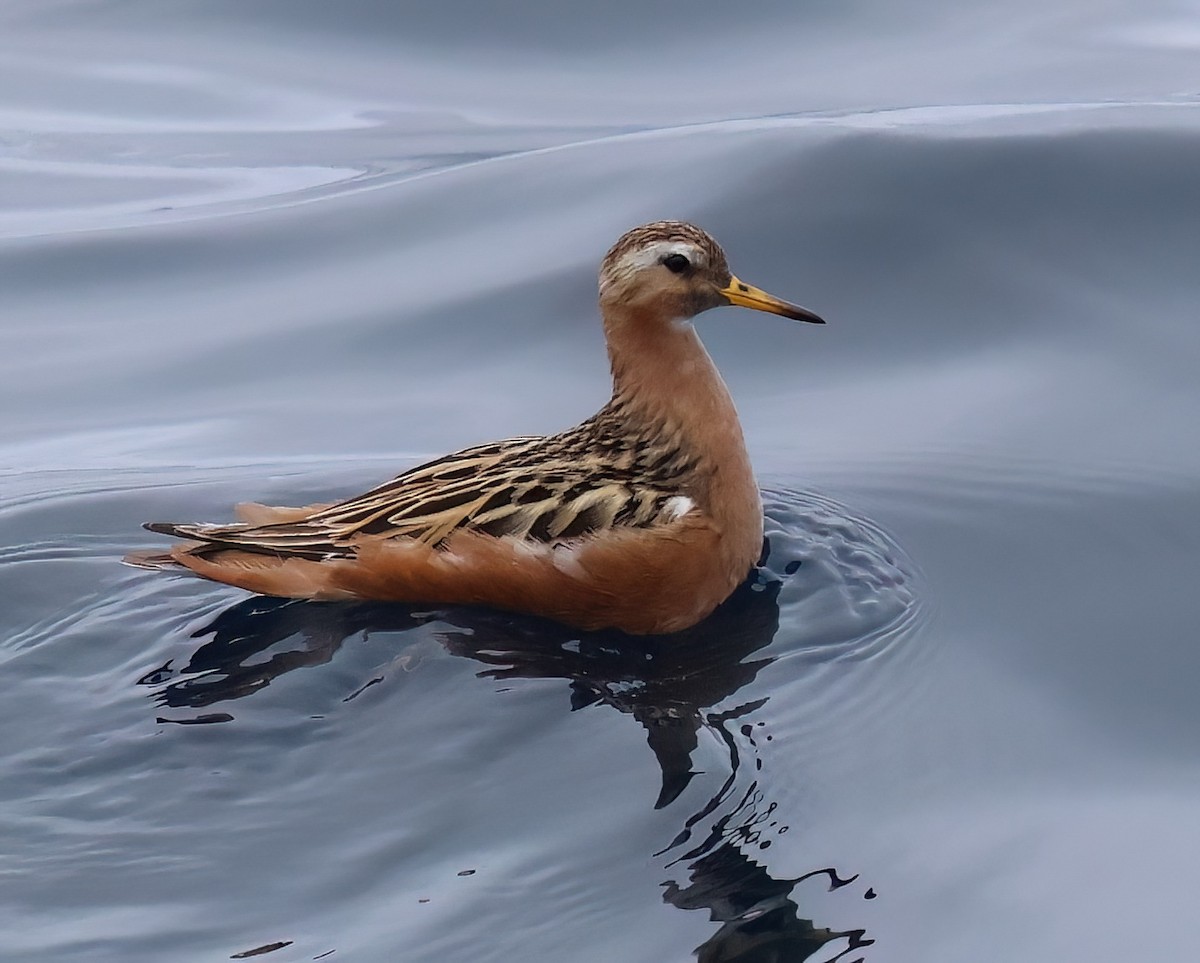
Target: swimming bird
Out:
[643,518]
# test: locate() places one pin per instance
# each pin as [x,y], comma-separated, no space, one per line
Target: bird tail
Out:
[151,559]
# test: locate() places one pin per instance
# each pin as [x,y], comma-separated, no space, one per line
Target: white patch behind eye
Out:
[643,257]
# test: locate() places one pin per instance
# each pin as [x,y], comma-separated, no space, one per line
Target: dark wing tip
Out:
[162,528]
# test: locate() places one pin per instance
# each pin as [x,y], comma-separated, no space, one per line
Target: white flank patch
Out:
[522,546]
[677,506]
[566,560]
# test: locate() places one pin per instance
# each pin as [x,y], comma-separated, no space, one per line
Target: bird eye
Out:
[676,263]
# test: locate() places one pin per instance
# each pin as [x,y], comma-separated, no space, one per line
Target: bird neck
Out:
[665,382]
[662,374]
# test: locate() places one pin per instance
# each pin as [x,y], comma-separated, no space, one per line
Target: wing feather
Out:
[544,489]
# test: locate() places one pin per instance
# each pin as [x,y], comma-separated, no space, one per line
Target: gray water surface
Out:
[279,251]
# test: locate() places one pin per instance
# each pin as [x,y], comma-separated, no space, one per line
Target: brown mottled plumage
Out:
[643,518]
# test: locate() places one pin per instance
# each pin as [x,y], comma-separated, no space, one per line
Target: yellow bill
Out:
[748,296]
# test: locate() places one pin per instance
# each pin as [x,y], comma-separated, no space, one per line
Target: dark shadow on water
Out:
[668,684]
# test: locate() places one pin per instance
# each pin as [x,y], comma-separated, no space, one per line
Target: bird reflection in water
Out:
[669,684]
